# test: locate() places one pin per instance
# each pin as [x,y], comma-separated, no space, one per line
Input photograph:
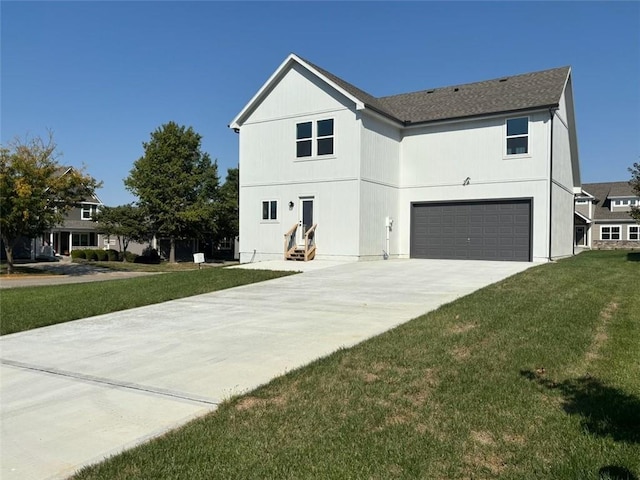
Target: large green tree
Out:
[36,191]
[176,184]
[228,216]
[125,222]
[635,184]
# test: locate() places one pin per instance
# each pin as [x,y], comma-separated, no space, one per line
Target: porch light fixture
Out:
[290,205]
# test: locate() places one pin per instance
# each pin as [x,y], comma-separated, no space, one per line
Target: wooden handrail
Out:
[290,240]
[310,242]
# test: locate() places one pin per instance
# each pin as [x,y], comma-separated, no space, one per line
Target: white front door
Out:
[305,221]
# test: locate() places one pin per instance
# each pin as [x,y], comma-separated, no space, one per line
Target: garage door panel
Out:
[481,230]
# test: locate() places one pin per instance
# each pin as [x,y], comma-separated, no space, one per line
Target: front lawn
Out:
[535,377]
[32,307]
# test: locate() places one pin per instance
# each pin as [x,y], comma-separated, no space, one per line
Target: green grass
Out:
[535,377]
[142,267]
[32,307]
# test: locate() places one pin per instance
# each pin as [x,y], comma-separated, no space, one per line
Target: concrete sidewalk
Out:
[75,393]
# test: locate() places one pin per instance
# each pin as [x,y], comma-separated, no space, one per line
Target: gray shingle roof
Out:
[602,192]
[507,94]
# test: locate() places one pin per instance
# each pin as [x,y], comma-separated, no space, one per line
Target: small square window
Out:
[303,130]
[270,210]
[325,128]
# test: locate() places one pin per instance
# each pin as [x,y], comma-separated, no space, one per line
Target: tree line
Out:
[177,186]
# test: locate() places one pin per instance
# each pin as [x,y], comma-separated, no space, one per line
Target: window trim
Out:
[506,137]
[315,139]
[272,211]
[610,227]
[93,209]
[637,227]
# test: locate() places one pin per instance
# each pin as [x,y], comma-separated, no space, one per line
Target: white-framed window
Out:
[314,139]
[582,201]
[84,240]
[517,138]
[88,211]
[633,232]
[610,233]
[270,210]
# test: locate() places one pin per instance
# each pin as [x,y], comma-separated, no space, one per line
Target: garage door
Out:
[481,230]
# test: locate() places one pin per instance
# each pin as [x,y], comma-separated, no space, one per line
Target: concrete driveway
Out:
[75,393]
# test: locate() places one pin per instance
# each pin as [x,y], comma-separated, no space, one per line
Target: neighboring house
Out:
[602,219]
[485,170]
[77,231]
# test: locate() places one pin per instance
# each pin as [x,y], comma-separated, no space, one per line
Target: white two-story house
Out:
[486,170]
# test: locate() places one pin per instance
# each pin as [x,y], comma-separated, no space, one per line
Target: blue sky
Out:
[103,75]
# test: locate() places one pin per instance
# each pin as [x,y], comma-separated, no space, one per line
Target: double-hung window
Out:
[270,210]
[610,233]
[634,232]
[314,139]
[88,211]
[518,136]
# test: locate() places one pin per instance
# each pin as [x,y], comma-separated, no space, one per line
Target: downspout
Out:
[552,112]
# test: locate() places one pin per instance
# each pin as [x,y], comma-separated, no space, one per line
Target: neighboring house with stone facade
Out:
[602,219]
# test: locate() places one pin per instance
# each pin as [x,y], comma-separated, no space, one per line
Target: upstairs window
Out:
[270,210]
[314,139]
[518,136]
[88,211]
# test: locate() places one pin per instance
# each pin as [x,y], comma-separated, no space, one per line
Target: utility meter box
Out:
[198,258]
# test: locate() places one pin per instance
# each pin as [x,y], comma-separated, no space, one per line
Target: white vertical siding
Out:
[380,175]
[437,159]
[269,170]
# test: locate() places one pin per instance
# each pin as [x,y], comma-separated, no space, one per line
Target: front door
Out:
[306,217]
[580,236]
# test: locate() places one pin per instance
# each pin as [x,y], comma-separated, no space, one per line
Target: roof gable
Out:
[603,192]
[508,94]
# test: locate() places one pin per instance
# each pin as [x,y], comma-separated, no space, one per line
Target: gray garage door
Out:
[482,230]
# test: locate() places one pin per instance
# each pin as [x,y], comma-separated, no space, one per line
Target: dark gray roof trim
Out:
[602,193]
[517,93]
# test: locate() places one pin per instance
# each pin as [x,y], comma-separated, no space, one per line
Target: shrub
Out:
[102,255]
[130,257]
[76,254]
[92,255]
[149,255]
[113,255]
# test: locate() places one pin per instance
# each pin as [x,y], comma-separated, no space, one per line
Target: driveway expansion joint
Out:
[110,382]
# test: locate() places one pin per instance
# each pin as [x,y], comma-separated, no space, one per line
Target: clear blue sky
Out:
[103,75]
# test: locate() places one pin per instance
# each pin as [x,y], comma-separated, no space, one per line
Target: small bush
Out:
[92,255]
[78,254]
[149,256]
[130,257]
[102,255]
[113,255]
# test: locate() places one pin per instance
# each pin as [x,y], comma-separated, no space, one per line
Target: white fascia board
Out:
[583,217]
[276,76]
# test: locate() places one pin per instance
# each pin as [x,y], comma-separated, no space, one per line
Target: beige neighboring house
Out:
[602,219]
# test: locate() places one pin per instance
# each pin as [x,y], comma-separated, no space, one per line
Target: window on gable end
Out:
[314,139]
[518,136]
[303,139]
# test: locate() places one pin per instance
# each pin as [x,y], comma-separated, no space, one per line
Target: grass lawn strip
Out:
[534,377]
[32,307]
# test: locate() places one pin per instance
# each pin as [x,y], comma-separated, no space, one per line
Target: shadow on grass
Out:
[613,472]
[633,257]
[604,410]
